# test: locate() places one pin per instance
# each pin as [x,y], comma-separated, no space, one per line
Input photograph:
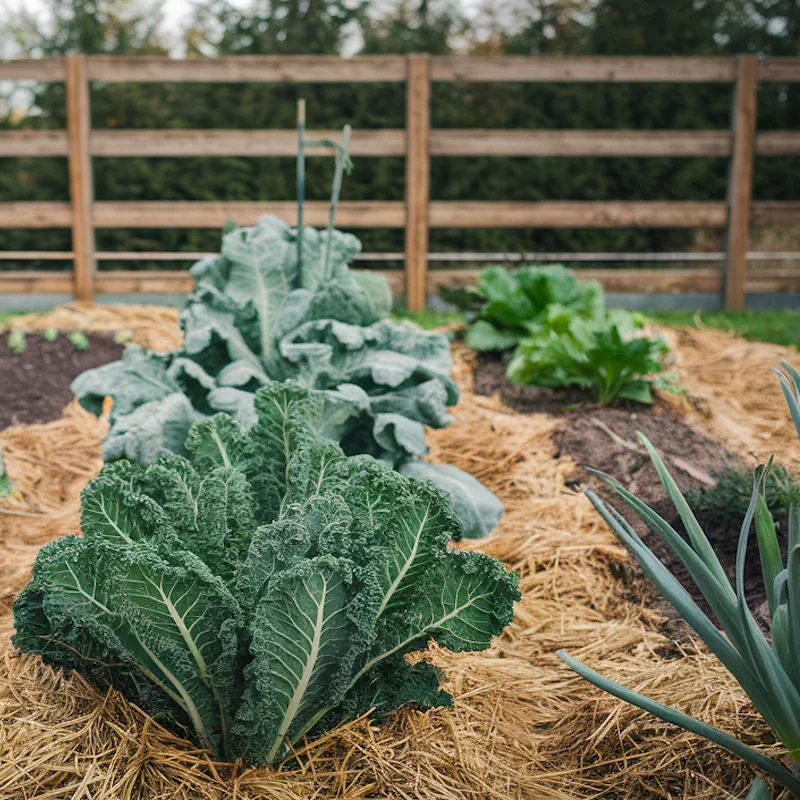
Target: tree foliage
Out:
[622,27]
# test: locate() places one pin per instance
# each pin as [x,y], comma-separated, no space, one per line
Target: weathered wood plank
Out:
[35,215]
[188,214]
[81,192]
[740,181]
[480,142]
[417,179]
[778,143]
[257,69]
[779,69]
[578,214]
[32,143]
[180,143]
[648,281]
[634,69]
[32,69]
[178,282]
[785,212]
[35,255]
[50,282]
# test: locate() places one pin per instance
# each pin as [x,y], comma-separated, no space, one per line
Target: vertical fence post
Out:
[80,176]
[740,180]
[418,87]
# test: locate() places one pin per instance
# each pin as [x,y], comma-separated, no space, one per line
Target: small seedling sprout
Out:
[16,341]
[50,334]
[79,340]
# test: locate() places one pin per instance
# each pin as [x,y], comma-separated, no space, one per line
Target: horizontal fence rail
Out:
[417,143]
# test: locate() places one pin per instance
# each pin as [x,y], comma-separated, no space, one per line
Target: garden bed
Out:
[522,725]
[34,384]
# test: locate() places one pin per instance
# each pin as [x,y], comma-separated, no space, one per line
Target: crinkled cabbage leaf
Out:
[265,588]
[257,316]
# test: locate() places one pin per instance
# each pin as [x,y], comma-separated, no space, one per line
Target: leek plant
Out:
[767,668]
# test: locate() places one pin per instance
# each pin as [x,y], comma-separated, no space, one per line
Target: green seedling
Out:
[16,341]
[79,340]
[51,334]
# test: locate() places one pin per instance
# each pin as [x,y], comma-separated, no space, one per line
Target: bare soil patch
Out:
[34,384]
[606,439]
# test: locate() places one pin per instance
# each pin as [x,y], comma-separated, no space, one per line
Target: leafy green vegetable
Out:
[79,340]
[255,318]
[591,355]
[512,304]
[50,334]
[265,589]
[16,341]
[561,333]
[765,667]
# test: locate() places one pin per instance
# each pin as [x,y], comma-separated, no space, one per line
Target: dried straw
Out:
[154,327]
[522,726]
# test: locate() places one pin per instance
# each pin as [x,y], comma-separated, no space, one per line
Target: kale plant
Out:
[258,315]
[265,589]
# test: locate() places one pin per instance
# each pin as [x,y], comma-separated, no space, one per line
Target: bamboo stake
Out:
[301,182]
[341,164]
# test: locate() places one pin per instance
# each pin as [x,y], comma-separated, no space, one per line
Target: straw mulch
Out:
[154,327]
[522,725]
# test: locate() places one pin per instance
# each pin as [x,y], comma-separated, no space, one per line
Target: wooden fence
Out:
[418,143]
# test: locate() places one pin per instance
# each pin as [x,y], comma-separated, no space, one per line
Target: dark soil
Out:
[34,385]
[489,378]
[606,439]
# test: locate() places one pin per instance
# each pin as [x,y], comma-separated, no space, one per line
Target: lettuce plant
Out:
[259,315]
[561,333]
[265,589]
[507,305]
[767,668]
[600,356]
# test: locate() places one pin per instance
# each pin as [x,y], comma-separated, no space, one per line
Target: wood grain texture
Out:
[633,69]
[30,69]
[253,69]
[27,143]
[740,181]
[186,143]
[190,214]
[778,143]
[479,142]
[35,215]
[577,214]
[79,164]
[648,281]
[417,179]
[778,212]
[779,69]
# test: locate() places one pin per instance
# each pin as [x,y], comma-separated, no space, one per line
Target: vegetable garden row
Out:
[294,577]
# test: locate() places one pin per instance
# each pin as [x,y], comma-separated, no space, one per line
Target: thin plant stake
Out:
[342,162]
[301,181]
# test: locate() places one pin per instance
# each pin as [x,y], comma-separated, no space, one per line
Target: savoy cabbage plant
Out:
[266,310]
[264,589]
